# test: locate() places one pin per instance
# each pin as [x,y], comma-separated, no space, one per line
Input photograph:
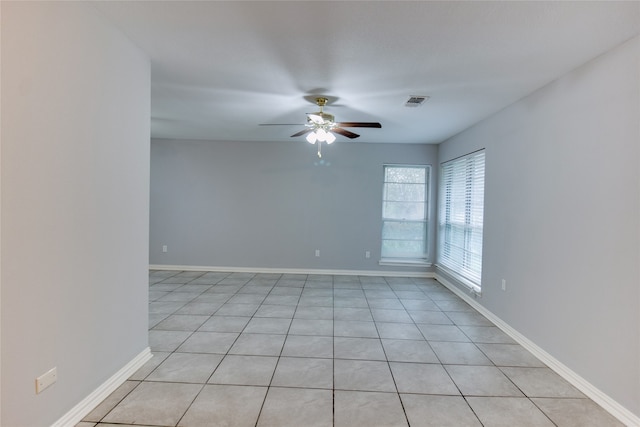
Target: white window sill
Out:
[394,262]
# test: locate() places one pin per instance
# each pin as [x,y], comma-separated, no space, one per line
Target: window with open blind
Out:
[405,207]
[460,219]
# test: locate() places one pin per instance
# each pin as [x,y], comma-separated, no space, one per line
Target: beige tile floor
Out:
[240,349]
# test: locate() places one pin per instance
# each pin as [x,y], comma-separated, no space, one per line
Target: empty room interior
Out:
[320,213]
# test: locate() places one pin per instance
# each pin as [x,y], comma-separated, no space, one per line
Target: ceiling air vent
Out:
[415,101]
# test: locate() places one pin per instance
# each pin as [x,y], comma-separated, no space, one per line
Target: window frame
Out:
[461,269]
[386,259]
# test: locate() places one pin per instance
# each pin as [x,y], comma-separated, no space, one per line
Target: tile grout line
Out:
[206,381]
[277,363]
[175,351]
[414,323]
[395,384]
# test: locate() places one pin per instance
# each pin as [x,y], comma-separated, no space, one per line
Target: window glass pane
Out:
[405,174]
[404,212]
[414,192]
[402,249]
[403,230]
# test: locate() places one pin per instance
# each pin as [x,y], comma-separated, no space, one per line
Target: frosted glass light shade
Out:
[330,137]
[312,138]
[321,134]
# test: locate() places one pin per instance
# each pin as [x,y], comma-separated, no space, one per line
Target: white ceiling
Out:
[219,69]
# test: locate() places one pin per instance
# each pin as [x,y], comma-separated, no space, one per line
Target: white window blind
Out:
[405,204]
[460,219]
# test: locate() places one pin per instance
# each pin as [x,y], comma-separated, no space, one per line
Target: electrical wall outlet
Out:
[317,252]
[504,285]
[46,379]
[367,254]
[164,248]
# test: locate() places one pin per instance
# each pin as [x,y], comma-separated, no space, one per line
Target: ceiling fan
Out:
[321,126]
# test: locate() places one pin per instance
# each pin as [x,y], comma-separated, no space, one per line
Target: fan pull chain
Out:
[319,149]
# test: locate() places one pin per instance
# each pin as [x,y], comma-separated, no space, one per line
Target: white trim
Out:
[425,274]
[82,409]
[598,396]
[399,262]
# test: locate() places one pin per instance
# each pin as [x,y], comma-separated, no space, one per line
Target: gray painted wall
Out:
[257,205]
[562,219]
[75,190]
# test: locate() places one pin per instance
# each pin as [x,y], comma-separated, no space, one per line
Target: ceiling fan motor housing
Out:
[326,118]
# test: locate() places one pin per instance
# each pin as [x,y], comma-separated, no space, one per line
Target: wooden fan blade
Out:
[345,132]
[302,132]
[359,124]
[281,124]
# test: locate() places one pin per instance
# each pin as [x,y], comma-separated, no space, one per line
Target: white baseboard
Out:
[607,403]
[422,274]
[82,409]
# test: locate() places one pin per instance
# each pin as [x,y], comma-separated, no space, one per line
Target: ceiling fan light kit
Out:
[320,125]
